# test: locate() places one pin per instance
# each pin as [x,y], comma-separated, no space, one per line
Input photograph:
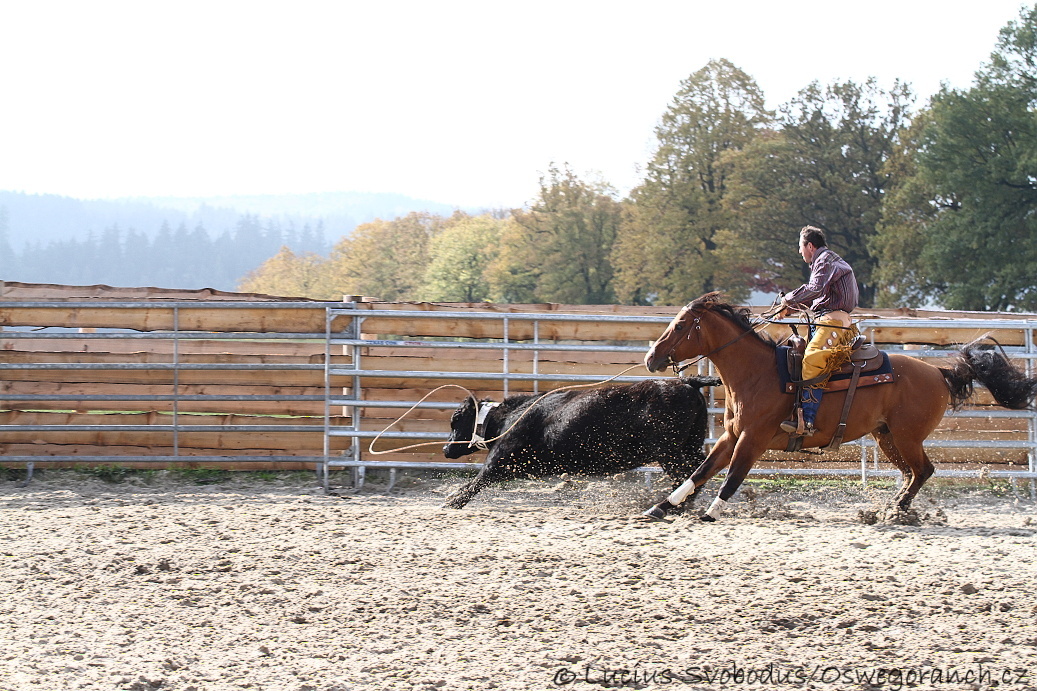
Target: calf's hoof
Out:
[659,511]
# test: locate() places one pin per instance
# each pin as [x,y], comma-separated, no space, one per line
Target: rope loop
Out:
[483,443]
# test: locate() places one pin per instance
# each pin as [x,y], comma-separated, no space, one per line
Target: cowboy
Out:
[831,294]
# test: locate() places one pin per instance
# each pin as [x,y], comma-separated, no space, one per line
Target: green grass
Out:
[956,487]
[13,474]
[202,476]
[114,474]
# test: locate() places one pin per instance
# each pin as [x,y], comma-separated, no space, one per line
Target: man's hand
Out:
[778,309]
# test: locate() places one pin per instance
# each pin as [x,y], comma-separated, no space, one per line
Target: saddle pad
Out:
[839,382]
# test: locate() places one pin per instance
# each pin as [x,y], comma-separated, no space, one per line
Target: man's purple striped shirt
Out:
[832,285]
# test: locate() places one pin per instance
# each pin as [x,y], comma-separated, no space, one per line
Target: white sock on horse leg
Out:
[681,493]
[714,509]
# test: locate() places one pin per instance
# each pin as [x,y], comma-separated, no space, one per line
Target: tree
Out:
[826,166]
[460,255]
[287,274]
[386,259]
[558,250]
[899,238]
[971,199]
[138,256]
[666,245]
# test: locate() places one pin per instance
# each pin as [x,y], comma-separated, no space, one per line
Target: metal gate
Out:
[356,373]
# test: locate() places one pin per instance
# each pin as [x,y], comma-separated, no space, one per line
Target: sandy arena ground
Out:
[254,584]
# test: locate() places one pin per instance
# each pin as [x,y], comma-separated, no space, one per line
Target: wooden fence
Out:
[150,377]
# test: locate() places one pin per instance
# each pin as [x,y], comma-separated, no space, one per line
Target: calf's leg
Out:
[495,469]
[462,496]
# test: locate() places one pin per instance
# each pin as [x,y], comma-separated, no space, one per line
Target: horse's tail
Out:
[1009,386]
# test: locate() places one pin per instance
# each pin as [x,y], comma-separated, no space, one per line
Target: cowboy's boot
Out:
[794,426]
[809,403]
[802,421]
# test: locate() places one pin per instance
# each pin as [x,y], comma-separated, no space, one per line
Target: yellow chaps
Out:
[829,349]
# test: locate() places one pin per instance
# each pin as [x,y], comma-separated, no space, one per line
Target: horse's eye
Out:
[678,327]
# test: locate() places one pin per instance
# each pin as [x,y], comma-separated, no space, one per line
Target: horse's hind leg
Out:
[911,460]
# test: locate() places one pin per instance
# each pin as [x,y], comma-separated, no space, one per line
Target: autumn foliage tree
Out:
[666,249]
[962,230]
[558,250]
[826,165]
[386,259]
[460,255]
[935,206]
[292,275]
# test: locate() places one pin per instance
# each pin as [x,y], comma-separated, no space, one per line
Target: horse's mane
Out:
[741,316]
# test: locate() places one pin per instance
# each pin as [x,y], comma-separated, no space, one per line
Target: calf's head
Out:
[462,424]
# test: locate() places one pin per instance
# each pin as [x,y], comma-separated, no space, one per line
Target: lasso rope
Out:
[370,447]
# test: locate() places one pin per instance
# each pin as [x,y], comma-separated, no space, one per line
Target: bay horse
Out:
[900,415]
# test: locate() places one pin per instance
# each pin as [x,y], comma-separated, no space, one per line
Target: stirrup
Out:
[794,427]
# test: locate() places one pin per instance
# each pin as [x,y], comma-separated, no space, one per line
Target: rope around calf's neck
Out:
[370,447]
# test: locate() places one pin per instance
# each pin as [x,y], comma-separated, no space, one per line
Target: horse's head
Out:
[703,327]
[681,340]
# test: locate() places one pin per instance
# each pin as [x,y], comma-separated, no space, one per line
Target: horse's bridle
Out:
[677,342]
[677,368]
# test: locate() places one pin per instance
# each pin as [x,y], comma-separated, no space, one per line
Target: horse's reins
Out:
[678,368]
[764,319]
[477,439]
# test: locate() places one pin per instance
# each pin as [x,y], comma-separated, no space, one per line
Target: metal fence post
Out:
[176,380]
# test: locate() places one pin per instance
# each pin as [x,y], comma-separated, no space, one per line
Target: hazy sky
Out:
[458,102]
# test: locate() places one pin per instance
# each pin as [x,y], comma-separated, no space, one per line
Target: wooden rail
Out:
[252,368]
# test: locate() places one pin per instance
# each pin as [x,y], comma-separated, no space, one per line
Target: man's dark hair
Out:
[814,236]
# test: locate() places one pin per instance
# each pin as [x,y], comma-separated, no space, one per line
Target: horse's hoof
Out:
[658,512]
[707,518]
[901,516]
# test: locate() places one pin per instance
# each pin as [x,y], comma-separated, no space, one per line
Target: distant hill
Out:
[42,218]
[174,242]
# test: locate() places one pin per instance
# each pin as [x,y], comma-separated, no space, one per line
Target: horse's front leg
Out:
[716,461]
[746,451]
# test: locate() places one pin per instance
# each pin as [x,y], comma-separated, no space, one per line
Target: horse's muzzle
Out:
[653,362]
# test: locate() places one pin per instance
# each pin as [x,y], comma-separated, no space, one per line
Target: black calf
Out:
[592,432]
